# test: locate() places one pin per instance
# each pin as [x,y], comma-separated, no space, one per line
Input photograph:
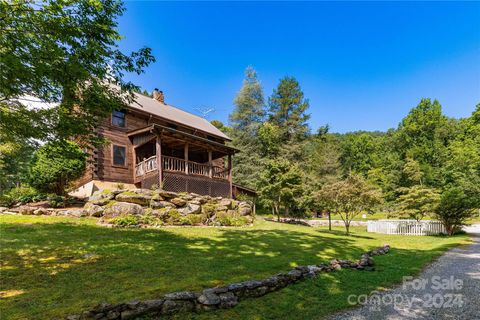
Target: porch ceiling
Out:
[178,138]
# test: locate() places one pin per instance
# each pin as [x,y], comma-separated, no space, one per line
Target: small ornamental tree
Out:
[56,165]
[349,197]
[455,208]
[417,202]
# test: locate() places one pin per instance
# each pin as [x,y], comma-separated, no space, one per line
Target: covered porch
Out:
[181,162]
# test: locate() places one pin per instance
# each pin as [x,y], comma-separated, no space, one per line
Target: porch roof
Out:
[163,130]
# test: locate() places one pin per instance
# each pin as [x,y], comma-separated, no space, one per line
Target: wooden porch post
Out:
[159,162]
[185,155]
[134,165]
[230,173]
[210,169]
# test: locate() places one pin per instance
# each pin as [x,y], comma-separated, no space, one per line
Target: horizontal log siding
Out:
[102,168]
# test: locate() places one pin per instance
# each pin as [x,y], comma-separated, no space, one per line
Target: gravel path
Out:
[460,267]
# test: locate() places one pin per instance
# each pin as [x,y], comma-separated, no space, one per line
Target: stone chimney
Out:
[158,95]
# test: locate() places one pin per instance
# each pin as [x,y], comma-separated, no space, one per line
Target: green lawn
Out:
[52,266]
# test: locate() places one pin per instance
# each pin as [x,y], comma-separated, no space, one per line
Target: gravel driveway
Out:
[447,289]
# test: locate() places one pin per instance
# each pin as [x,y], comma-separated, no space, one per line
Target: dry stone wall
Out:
[221,297]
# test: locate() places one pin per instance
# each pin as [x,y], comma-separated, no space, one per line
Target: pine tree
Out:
[287,110]
[249,111]
[245,120]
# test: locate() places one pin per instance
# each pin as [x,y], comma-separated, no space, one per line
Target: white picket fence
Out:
[406,227]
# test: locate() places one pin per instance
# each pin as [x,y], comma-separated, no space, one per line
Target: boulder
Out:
[238,288]
[40,211]
[227,300]
[221,208]
[208,297]
[366,261]
[2,209]
[74,213]
[181,295]
[123,208]
[133,197]
[131,314]
[160,204]
[26,210]
[190,208]
[225,203]
[167,194]
[175,306]
[95,210]
[201,200]
[314,269]
[178,202]
[113,315]
[101,198]
[153,305]
[294,274]
[244,209]
[187,196]
[257,292]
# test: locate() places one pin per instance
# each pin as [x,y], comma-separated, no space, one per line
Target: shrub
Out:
[125,221]
[225,219]
[196,219]
[56,201]
[172,217]
[209,209]
[150,219]
[22,195]
[184,221]
[56,165]
[454,209]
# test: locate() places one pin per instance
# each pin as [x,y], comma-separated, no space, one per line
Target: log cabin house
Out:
[153,143]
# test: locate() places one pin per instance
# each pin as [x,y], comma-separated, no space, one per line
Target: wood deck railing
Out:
[172,164]
[146,166]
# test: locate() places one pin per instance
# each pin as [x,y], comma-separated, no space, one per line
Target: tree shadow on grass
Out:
[343,233]
[59,269]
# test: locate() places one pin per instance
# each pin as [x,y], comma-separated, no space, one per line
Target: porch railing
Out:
[172,164]
[146,166]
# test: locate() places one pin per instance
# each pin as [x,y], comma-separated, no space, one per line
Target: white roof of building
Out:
[169,112]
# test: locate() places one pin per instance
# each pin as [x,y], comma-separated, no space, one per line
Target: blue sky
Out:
[363,66]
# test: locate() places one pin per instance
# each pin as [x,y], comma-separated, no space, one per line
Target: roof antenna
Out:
[204,111]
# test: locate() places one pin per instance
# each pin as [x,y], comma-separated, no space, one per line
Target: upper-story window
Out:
[118,119]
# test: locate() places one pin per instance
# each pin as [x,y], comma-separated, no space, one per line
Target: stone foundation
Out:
[222,297]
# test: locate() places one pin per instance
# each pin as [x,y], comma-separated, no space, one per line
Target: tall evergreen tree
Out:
[287,110]
[245,120]
[249,111]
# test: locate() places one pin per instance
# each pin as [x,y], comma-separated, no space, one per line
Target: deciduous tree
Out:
[349,197]
[66,53]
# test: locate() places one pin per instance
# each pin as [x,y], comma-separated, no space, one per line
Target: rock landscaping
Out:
[222,297]
[35,209]
[144,207]
[151,208]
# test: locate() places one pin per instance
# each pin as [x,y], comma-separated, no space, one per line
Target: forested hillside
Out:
[428,155]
